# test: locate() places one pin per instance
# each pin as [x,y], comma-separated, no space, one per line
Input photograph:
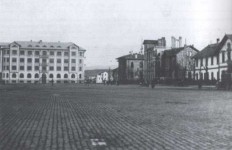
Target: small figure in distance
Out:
[52,81]
[153,82]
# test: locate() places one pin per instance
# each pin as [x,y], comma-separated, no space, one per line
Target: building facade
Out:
[102,77]
[130,68]
[177,63]
[152,53]
[42,62]
[214,60]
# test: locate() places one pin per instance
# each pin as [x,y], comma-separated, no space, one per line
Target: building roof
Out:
[213,49]
[95,72]
[208,51]
[45,45]
[4,44]
[174,51]
[132,57]
[150,42]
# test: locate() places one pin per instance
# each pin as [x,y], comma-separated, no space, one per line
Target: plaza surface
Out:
[79,117]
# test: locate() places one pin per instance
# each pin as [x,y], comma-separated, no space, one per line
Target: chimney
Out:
[180,41]
[218,40]
[40,41]
[136,56]
[173,40]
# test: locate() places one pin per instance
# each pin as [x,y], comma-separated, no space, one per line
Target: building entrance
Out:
[44,78]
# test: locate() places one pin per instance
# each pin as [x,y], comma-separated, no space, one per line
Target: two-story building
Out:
[213,61]
[32,62]
[130,68]
[177,63]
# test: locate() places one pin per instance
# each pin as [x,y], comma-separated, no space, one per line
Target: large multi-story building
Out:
[41,62]
[152,53]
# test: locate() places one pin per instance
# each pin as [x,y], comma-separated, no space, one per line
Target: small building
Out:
[214,60]
[177,63]
[130,68]
[102,77]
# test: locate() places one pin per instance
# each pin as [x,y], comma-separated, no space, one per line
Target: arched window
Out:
[65,75]
[21,75]
[80,76]
[132,65]
[13,75]
[29,75]
[36,75]
[51,76]
[58,76]
[73,76]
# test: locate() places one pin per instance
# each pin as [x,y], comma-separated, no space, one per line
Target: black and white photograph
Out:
[115,75]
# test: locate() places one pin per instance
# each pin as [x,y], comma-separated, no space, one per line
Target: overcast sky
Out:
[108,29]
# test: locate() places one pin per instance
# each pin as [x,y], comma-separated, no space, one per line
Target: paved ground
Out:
[79,117]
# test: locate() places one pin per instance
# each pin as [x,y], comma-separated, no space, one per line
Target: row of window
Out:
[212,59]
[37,53]
[44,68]
[36,60]
[21,75]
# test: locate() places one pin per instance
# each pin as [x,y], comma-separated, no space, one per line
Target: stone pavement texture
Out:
[98,117]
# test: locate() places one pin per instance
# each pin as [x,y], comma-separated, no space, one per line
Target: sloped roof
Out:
[95,72]
[4,44]
[213,49]
[132,57]
[208,51]
[174,51]
[150,42]
[44,45]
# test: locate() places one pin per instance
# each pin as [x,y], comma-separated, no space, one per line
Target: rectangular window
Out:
[217,59]
[6,59]
[22,52]
[37,53]
[37,60]
[51,61]
[29,68]
[14,67]
[29,60]
[29,53]
[73,53]
[196,62]
[212,60]
[206,61]
[52,53]
[73,60]
[44,68]
[80,61]
[58,53]
[65,68]
[73,68]
[14,52]
[201,62]
[66,53]
[14,59]
[21,68]
[36,68]
[223,57]
[58,61]
[51,68]
[58,68]
[22,60]
[80,68]
[44,60]
[81,54]
[65,60]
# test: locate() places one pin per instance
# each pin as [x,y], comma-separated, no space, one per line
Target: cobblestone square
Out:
[80,117]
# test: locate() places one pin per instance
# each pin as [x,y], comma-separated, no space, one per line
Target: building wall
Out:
[12,75]
[214,69]
[134,71]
